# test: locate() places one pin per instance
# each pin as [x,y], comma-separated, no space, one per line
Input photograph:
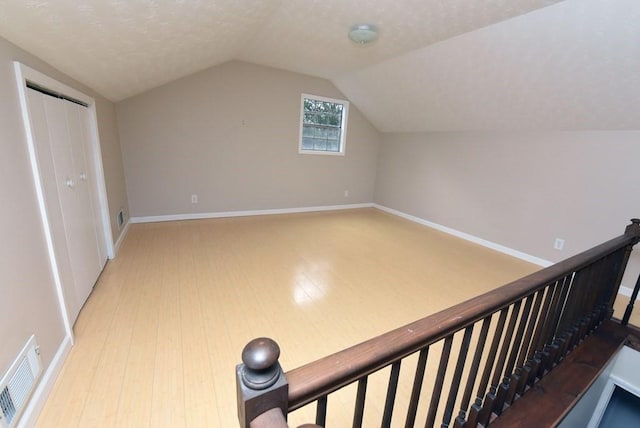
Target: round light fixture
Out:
[363,33]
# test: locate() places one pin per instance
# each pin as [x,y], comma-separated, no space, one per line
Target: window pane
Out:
[333,134]
[320,145]
[321,132]
[309,117]
[333,145]
[310,105]
[307,144]
[308,131]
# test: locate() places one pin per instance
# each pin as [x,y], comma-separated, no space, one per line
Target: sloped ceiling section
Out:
[122,48]
[310,37]
[572,66]
[439,65]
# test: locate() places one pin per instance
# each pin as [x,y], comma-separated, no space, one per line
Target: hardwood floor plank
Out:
[134,407]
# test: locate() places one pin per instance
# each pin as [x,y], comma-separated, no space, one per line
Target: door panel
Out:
[82,235]
[49,181]
[74,199]
[91,179]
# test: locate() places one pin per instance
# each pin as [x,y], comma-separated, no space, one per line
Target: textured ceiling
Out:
[572,66]
[437,65]
[121,48]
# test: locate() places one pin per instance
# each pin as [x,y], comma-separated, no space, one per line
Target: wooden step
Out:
[548,402]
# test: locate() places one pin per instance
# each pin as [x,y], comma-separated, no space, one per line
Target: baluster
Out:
[360,397]
[473,372]
[597,281]
[575,305]
[417,387]
[558,349]
[543,332]
[558,311]
[490,399]
[629,310]
[457,375]
[260,382]
[321,411]
[589,294]
[391,394]
[477,407]
[554,311]
[567,329]
[437,388]
[551,351]
[606,291]
[572,301]
[505,386]
[597,286]
[633,230]
[527,350]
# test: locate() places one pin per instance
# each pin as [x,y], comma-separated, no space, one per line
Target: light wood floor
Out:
[158,339]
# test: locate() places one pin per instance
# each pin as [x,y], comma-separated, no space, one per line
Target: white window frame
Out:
[343,128]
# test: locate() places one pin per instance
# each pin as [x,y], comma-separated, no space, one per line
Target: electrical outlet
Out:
[346,193]
[194,199]
[558,244]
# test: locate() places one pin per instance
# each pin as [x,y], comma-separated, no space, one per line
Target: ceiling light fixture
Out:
[363,33]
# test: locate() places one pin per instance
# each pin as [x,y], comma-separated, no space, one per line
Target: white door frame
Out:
[26,74]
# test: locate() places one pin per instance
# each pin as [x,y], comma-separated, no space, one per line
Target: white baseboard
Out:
[40,395]
[501,248]
[199,216]
[624,291]
[123,234]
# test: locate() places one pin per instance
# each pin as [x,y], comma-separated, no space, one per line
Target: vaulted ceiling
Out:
[438,65]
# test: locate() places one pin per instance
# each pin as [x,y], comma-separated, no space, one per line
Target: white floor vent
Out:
[18,384]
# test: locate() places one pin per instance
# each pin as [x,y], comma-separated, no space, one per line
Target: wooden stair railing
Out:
[554,396]
[525,329]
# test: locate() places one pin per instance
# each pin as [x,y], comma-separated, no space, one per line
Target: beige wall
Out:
[520,190]
[230,134]
[28,303]
[112,163]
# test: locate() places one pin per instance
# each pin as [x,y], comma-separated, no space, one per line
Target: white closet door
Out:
[40,132]
[77,117]
[91,179]
[61,142]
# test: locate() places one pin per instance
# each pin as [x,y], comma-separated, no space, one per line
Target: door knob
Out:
[83,176]
[70,183]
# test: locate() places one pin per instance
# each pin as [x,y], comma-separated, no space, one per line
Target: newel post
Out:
[632,229]
[260,381]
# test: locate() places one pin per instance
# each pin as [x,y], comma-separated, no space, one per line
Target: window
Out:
[323,125]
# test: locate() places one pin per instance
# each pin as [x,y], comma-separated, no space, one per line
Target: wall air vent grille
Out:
[18,384]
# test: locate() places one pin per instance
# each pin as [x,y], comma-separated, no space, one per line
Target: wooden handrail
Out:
[601,266]
[344,367]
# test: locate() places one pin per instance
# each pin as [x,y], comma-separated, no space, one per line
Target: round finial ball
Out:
[260,353]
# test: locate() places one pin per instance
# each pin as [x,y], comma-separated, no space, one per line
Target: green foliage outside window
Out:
[322,112]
